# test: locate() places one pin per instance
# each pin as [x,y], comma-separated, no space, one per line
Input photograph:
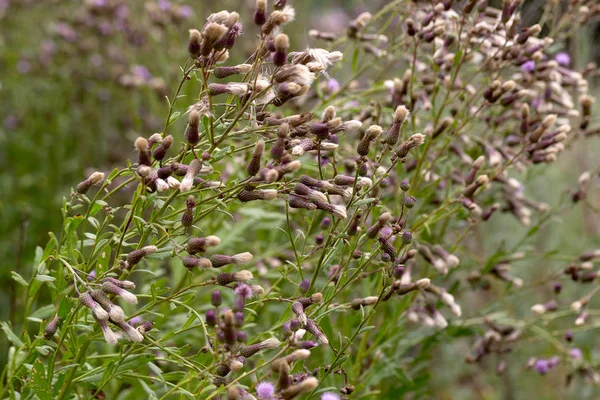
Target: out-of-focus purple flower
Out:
[105,29]
[141,72]
[164,5]
[99,3]
[48,47]
[330,396]
[386,231]
[563,59]
[122,12]
[96,60]
[553,362]
[23,66]
[66,32]
[324,159]
[243,290]
[536,102]
[10,122]
[265,390]
[135,321]
[104,95]
[333,85]
[333,21]
[528,66]
[185,12]
[92,275]
[541,367]
[576,353]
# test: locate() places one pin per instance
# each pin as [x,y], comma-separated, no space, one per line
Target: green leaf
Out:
[174,117]
[39,383]
[14,339]
[18,278]
[355,60]
[134,361]
[221,153]
[45,278]
[64,308]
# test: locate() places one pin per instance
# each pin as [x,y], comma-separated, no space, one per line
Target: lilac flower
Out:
[576,353]
[135,321]
[333,86]
[528,66]
[563,59]
[23,66]
[122,12]
[142,72]
[10,122]
[164,4]
[541,367]
[265,390]
[330,396]
[185,12]
[243,290]
[92,276]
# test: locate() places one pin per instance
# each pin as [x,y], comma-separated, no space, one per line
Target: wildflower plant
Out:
[285,233]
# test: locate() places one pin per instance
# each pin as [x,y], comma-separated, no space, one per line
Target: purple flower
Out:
[23,66]
[329,396]
[141,72]
[541,367]
[92,276]
[243,290]
[135,321]
[333,86]
[164,4]
[576,353]
[563,59]
[185,12]
[122,12]
[10,122]
[528,66]
[265,390]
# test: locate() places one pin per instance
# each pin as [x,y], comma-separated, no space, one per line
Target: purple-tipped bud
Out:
[405,185]
[312,327]
[87,300]
[52,327]
[93,179]
[136,256]
[111,288]
[304,286]
[211,318]
[260,14]
[295,325]
[216,298]
[409,202]
[191,262]
[407,237]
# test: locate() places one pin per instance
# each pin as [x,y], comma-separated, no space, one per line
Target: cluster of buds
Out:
[496,340]
[105,311]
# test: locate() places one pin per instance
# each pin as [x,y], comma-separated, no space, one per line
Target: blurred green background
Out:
[79,80]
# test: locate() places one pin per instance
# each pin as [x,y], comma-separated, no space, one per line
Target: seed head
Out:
[194,44]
